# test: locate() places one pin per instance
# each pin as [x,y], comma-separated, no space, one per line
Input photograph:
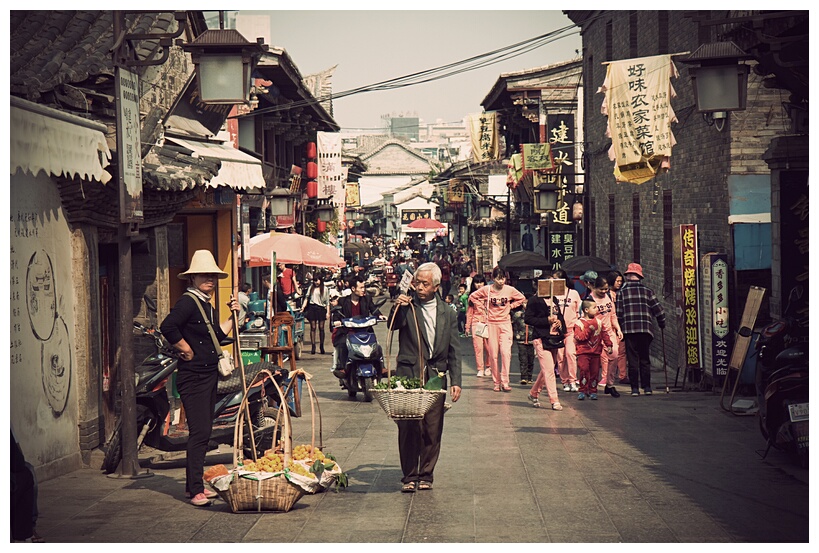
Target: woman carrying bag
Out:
[189,327]
[549,330]
[315,308]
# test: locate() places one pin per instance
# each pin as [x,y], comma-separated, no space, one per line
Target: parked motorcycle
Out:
[155,416]
[365,358]
[782,385]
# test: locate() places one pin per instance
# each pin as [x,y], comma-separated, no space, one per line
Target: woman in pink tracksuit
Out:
[473,315]
[608,318]
[567,356]
[497,301]
[615,280]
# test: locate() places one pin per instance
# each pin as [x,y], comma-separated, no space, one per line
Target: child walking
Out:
[590,339]
[463,302]
[522,334]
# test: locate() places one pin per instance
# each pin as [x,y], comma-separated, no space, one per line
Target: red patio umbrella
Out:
[426,224]
[292,248]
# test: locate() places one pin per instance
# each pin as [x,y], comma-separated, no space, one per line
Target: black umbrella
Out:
[523,260]
[582,263]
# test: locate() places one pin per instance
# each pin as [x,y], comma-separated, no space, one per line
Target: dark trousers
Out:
[461,322]
[588,372]
[23,501]
[419,443]
[638,345]
[526,359]
[198,394]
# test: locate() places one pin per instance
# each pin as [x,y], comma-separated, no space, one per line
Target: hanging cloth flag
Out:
[330,176]
[637,101]
[483,131]
[514,171]
[537,157]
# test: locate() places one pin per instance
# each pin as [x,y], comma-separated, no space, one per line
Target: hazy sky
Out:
[371,46]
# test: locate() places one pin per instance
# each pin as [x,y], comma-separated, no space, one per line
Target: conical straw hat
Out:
[203,263]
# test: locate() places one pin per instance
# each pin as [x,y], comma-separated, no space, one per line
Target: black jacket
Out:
[537,316]
[185,321]
[344,310]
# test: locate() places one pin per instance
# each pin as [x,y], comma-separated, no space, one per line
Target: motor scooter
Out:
[154,413]
[781,382]
[365,358]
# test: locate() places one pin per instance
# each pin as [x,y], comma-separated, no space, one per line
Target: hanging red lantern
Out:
[312,189]
[321,226]
[311,150]
[312,170]
[577,211]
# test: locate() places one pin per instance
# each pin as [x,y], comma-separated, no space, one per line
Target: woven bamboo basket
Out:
[407,404]
[251,493]
[328,477]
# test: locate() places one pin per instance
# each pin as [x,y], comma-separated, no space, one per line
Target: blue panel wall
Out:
[752,246]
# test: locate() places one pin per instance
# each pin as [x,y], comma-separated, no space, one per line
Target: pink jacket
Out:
[570,306]
[606,314]
[501,302]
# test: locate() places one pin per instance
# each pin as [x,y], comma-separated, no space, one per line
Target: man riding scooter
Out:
[357,304]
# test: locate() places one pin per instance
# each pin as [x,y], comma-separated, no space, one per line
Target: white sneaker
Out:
[480,374]
[574,387]
[567,388]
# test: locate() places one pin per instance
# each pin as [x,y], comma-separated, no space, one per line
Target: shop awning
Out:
[45,139]
[239,170]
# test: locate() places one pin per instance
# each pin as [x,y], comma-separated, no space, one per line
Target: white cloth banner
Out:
[637,101]
[330,176]
[483,131]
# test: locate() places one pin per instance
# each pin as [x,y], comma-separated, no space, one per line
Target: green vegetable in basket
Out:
[405,382]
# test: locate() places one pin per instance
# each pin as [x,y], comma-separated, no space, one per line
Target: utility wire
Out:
[441,72]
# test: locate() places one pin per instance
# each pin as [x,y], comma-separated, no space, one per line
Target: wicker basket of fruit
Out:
[270,483]
[405,398]
[312,457]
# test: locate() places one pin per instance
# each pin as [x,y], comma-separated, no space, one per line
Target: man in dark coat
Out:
[419,441]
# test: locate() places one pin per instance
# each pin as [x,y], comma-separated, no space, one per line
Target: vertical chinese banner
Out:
[715,307]
[330,173]
[483,132]
[129,149]
[690,297]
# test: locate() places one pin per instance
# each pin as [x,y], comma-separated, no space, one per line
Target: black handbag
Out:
[555,341]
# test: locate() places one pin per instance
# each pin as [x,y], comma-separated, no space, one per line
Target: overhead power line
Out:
[440,72]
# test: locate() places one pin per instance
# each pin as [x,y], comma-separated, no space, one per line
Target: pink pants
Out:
[500,341]
[546,376]
[622,368]
[567,359]
[609,361]
[481,353]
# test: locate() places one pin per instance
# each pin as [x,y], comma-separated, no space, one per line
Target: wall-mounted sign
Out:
[410,215]
[561,248]
[455,192]
[689,259]
[129,150]
[715,307]
[353,198]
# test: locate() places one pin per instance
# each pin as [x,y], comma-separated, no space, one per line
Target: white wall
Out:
[371,188]
[43,369]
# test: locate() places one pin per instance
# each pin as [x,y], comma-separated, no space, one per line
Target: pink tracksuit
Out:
[473,316]
[567,355]
[620,347]
[608,318]
[500,303]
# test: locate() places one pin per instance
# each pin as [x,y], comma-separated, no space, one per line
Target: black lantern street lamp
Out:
[448,216]
[281,202]
[546,197]
[484,209]
[223,60]
[324,212]
[720,80]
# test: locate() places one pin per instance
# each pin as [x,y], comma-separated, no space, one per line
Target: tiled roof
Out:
[63,59]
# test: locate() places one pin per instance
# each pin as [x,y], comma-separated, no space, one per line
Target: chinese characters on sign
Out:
[561,248]
[330,176]
[410,215]
[638,95]
[455,191]
[561,138]
[720,335]
[483,131]
[352,196]
[690,303]
[129,150]
[537,157]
